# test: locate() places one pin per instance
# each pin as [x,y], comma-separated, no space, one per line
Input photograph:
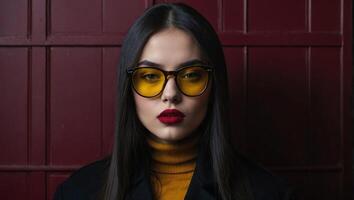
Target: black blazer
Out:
[85,183]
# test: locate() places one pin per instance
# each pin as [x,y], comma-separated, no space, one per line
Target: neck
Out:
[174,157]
[173,142]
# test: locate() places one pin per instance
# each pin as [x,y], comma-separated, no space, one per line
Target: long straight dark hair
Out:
[130,150]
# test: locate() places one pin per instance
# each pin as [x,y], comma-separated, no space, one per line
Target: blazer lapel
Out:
[141,189]
[203,184]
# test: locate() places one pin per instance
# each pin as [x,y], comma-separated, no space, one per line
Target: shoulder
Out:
[84,183]
[263,184]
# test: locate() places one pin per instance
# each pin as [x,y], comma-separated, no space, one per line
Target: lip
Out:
[171,116]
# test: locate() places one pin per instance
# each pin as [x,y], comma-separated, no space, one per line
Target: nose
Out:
[170,93]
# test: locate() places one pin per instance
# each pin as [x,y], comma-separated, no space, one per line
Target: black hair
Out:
[130,149]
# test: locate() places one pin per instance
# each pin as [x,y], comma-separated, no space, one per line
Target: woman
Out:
[172,136]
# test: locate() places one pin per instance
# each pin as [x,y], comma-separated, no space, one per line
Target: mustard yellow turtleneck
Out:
[173,166]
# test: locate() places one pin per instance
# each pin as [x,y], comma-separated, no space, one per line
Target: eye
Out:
[191,75]
[150,77]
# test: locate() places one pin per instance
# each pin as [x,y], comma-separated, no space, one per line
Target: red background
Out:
[290,75]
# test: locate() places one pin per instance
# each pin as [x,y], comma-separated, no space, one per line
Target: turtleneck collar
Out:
[174,158]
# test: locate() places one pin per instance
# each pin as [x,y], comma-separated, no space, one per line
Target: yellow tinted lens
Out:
[193,80]
[148,82]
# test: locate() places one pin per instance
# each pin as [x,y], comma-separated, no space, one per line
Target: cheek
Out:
[205,98]
[200,106]
[141,105]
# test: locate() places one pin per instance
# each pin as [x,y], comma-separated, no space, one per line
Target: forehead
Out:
[170,48]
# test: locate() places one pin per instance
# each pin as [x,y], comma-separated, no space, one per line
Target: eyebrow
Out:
[187,63]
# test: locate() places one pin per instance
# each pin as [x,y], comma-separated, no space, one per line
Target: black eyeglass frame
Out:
[207,68]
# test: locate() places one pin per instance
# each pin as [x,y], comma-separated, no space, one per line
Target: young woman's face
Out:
[169,49]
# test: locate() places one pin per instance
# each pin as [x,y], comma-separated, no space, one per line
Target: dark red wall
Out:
[290,82]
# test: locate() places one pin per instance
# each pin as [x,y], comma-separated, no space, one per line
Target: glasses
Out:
[190,80]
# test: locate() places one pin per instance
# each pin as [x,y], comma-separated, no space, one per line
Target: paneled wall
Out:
[289,65]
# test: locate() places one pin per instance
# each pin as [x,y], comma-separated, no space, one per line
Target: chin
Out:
[171,137]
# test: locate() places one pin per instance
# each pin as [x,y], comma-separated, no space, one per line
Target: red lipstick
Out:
[171,116]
